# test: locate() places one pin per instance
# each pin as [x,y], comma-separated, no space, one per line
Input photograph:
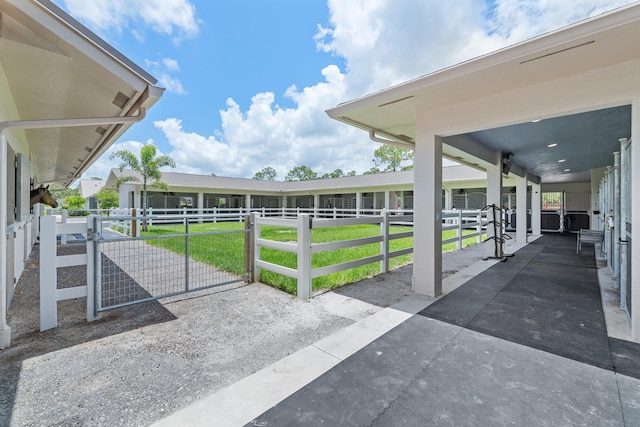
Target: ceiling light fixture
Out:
[535,120]
[567,170]
[562,160]
[552,145]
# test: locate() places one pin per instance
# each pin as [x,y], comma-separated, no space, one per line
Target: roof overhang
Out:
[590,67]
[55,68]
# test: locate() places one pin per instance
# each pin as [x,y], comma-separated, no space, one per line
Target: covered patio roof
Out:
[55,68]
[572,87]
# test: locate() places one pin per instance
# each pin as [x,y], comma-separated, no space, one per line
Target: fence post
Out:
[459,231]
[134,225]
[63,237]
[93,266]
[186,252]
[249,241]
[48,273]
[479,226]
[384,245]
[304,256]
[256,248]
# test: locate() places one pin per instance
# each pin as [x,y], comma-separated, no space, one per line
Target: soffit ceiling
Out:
[562,149]
[577,84]
[57,69]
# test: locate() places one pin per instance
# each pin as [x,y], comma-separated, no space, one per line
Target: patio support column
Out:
[536,209]
[494,197]
[521,209]
[5,330]
[625,214]
[358,203]
[427,246]
[616,219]
[387,201]
[200,205]
[635,222]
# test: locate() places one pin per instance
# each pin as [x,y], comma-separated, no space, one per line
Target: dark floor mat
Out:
[542,303]
[554,327]
[625,355]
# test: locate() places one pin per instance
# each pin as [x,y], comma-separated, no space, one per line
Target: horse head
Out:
[42,195]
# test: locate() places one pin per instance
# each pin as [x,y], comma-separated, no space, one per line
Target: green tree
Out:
[393,158]
[266,174]
[148,167]
[61,192]
[301,173]
[107,199]
[374,170]
[335,174]
[74,202]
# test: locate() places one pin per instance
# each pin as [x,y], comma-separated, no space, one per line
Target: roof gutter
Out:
[5,330]
[395,142]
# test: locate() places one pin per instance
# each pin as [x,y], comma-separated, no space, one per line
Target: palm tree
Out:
[148,167]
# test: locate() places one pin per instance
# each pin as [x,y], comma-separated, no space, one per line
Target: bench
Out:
[588,236]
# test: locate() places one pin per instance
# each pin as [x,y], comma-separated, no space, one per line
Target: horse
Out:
[42,195]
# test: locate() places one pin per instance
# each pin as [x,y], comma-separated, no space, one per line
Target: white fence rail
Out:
[305,248]
[460,220]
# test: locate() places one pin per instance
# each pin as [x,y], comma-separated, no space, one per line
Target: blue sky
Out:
[247,81]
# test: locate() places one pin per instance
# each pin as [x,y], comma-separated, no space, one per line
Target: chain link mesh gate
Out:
[183,255]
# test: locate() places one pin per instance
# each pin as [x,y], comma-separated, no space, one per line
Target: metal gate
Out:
[185,254]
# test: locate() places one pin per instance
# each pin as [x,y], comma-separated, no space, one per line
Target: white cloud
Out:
[171,64]
[174,18]
[268,135]
[162,69]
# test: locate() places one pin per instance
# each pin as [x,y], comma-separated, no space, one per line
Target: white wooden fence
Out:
[50,262]
[304,223]
[461,220]
[304,247]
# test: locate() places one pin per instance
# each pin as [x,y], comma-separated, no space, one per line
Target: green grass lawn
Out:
[215,243]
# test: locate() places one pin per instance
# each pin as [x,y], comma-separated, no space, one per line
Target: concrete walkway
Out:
[524,342]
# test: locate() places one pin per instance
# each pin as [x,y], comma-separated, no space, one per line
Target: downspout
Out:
[5,330]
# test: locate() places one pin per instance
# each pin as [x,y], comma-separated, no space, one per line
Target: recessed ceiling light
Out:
[567,170]
[562,160]
[535,120]
[552,145]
